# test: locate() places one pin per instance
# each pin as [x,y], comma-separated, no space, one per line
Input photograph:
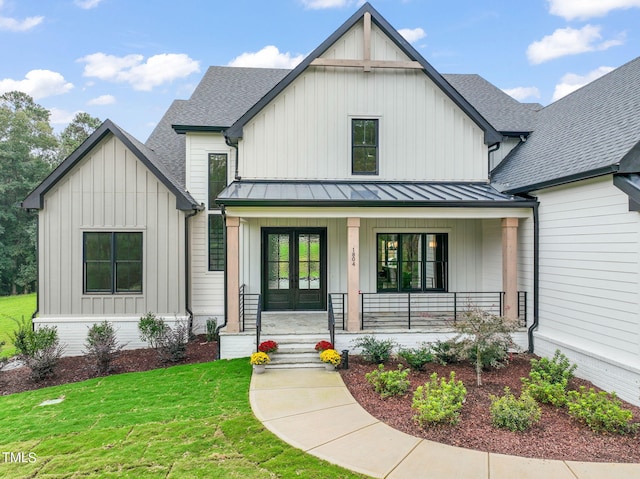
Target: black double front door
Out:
[294,269]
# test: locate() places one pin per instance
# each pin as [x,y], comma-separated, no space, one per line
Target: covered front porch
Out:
[370,266]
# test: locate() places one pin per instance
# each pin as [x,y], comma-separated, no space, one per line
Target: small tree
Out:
[102,346]
[483,333]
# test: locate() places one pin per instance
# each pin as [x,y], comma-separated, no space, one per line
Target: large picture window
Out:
[364,146]
[217,176]
[112,262]
[216,243]
[412,262]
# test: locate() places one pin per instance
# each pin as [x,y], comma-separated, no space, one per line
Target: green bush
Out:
[212,324]
[492,356]
[389,383]
[439,400]
[554,370]
[445,352]
[543,390]
[152,329]
[102,346]
[416,358]
[520,414]
[2,359]
[40,349]
[374,350]
[600,411]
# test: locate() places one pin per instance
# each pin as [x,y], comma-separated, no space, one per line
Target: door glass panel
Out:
[309,261]
[411,261]
[278,261]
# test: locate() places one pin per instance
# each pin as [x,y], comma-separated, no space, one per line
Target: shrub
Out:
[416,358]
[268,346]
[172,345]
[102,346]
[2,359]
[39,348]
[439,400]
[485,335]
[389,383]
[445,352]
[152,329]
[374,350]
[520,414]
[554,370]
[600,411]
[541,389]
[211,325]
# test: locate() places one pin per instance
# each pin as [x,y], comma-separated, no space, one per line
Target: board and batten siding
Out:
[207,287]
[589,282]
[305,132]
[109,190]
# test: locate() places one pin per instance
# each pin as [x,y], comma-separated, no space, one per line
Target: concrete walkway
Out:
[312,409]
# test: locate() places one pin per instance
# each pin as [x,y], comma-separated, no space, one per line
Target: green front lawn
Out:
[14,307]
[185,421]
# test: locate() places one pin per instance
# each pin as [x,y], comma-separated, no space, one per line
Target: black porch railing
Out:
[338,302]
[332,321]
[250,310]
[426,310]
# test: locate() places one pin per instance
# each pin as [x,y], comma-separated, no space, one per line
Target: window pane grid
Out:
[112,262]
[364,143]
[217,176]
[216,243]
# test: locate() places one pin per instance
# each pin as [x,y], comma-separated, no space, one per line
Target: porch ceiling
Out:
[367,193]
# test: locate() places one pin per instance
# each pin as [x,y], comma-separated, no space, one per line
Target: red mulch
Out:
[556,436]
[78,368]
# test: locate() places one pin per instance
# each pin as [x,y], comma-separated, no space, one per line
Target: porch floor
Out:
[294,322]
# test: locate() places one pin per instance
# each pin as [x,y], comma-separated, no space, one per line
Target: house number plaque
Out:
[353,256]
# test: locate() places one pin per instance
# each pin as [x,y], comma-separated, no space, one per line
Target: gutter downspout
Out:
[35,313]
[229,143]
[224,236]
[497,147]
[187,265]
[536,266]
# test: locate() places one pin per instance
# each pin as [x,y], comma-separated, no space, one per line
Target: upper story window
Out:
[412,261]
[364,146]
[217,176]
[112,262]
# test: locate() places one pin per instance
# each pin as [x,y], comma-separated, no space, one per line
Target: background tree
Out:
[75,133]
[28,148]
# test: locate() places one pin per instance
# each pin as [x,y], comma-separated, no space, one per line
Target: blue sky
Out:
[128,59]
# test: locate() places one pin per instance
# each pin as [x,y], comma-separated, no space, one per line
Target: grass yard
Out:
[185,421]
[17,307]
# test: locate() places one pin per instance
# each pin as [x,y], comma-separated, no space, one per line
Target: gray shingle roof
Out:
[584,134]
[169,147]
[505,113]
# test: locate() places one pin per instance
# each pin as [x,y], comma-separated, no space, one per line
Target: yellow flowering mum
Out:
[330,356]
[260,358]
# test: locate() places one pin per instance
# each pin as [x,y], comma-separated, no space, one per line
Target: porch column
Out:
[233,274]
[353,274]
[510,266]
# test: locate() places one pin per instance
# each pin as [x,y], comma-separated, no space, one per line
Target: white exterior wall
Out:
[207,287]
[305,132]
[109,190]
[589,283]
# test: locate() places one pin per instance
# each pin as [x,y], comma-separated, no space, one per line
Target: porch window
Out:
[112,262]
[217,176]
[412,262]
[364,146]
[216,243]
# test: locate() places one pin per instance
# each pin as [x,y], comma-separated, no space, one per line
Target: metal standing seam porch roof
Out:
[367,193]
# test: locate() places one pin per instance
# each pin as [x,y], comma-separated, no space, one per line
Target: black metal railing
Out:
[338,302]
[250,309]
[332,321]
[425,310]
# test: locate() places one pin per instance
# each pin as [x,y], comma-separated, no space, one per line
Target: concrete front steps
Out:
[296,350]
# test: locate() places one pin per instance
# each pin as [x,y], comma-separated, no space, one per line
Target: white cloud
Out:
[583,9]
[268,57]
[569,41]
[322,4]
[13,25]
[38,84]
[571,82]
[87,4]
[61,117]
[412,35]
[102,100]
[523,92]
[157,70]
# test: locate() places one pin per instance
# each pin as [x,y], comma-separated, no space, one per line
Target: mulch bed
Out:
[556,436]
[78,368]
